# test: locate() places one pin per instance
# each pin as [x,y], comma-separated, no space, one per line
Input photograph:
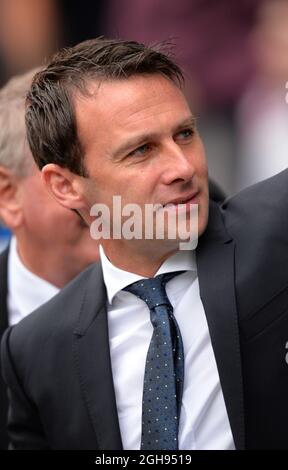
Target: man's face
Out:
[140,142]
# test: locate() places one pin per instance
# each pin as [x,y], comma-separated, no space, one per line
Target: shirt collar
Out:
[116,279]
[27,291]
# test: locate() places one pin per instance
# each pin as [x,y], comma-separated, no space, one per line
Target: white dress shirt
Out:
[26,291]
[204,421]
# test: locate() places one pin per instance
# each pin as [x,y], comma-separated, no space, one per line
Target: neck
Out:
[47,263]
[144,261]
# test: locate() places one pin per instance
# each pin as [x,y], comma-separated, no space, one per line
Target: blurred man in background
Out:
[50,244]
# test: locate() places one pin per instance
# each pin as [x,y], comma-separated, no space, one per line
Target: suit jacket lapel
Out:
[215,260]
[94,364]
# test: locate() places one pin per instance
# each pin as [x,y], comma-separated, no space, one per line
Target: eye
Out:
[140,151]
[186,134]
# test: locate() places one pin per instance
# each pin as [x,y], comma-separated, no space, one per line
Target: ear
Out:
[64,186]
[10,202]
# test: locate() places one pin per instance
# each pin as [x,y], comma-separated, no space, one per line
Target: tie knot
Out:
[152,291]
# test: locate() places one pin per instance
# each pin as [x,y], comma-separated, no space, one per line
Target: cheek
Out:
[138,187]
[204,173]
[134,183]
[201,166]
[131,185]
[201,160]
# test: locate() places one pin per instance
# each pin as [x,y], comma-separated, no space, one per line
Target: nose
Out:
[178,165]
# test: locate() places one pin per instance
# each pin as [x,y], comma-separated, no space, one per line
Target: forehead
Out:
[128,105]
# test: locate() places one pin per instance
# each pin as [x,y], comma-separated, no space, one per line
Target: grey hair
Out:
[14,150]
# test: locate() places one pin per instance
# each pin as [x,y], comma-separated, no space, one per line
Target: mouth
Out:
[187,200]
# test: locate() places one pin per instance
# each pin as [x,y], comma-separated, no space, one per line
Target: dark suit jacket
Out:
[3,326]
[57,363]
[257,219]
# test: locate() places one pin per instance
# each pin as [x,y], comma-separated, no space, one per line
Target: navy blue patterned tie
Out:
[164,370]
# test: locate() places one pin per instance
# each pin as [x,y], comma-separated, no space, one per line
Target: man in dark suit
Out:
[32,269]
[107,118]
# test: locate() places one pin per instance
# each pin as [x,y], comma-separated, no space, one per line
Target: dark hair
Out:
[50,118]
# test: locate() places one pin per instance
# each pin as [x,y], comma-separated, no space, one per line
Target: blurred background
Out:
[234,54]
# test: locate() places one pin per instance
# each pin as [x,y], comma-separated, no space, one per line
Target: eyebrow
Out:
[139,140]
